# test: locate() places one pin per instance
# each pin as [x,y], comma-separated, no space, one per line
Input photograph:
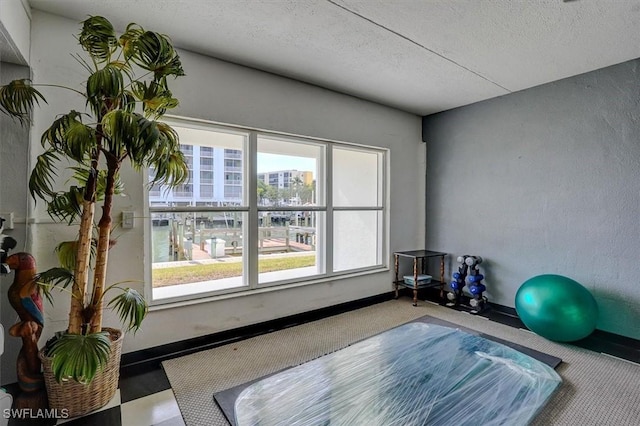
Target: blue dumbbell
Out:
[477,289]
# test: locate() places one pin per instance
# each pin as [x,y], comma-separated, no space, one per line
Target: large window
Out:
[358,208]
[270,210]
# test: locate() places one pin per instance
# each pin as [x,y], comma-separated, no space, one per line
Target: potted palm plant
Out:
[126,94]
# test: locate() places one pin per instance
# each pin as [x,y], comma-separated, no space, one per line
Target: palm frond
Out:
[147,142]
[123,66]
[131,308]
[79,357]
[156,97]
[69,135]
[125,101]
[52,278]
[58,276]
[128,40]
[18,98]
[66,206]
[67,251]
[174,68]
[103,86]
[168,161]
[43,175]
[81,175]
[153,51]
[98,38]
[121,129]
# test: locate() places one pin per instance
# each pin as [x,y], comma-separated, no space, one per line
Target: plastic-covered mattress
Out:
[415,374]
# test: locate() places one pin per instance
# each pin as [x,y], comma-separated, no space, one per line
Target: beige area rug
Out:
[597,389]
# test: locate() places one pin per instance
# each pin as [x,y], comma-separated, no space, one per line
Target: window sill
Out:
[206,299]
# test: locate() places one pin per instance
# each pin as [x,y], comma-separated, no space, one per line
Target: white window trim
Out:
[250,268]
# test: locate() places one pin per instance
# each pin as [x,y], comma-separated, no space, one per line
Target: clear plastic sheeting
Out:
[415,374]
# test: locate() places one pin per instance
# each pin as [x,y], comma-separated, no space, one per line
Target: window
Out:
[206,177]
[232,192]
[206,191]
[232,165]
[358,208]
[206,163]
[270,210]
[183,191]
[286,223]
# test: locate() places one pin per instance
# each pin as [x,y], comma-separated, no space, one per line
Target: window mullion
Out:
[251,231]
[328,179]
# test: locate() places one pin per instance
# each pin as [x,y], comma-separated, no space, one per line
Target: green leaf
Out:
[104,87]
[70,136]
[66,206]
[126,101]
[129,38]
[168,161]
[57,276]
[156,97]
[54,277]
[43,176]
[98,38]
[131,308]
[121,130]
[81,175]
[67,251]
[18,98]
[174,67]
[153,51]
[78,356]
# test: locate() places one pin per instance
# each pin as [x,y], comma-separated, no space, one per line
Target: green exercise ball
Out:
[557,308]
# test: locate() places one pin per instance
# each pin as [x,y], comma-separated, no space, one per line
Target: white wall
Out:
[227,93]
[15,27]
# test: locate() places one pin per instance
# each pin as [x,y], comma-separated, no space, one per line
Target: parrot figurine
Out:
[26,299]
[24,294]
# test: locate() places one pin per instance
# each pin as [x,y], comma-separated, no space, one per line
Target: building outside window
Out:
[317,212]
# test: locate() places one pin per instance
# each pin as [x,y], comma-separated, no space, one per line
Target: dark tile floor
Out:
[141,400]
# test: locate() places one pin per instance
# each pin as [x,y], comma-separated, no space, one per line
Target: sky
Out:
[275,162]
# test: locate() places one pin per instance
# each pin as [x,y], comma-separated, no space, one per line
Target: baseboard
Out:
[133,363]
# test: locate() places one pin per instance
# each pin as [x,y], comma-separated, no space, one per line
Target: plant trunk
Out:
[81,271]
[102,255]
[83,253]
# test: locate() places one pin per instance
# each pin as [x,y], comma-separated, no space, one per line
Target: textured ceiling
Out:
[421,56]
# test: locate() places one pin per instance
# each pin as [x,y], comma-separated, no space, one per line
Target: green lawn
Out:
[196,273]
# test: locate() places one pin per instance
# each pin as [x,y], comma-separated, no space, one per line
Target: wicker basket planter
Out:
[81,399]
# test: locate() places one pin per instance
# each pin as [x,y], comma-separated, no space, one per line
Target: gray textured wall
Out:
[14,149]
[546,180]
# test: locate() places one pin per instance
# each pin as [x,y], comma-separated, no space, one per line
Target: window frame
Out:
[251,209]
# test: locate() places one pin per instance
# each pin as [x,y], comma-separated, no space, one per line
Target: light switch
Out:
[127,220]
